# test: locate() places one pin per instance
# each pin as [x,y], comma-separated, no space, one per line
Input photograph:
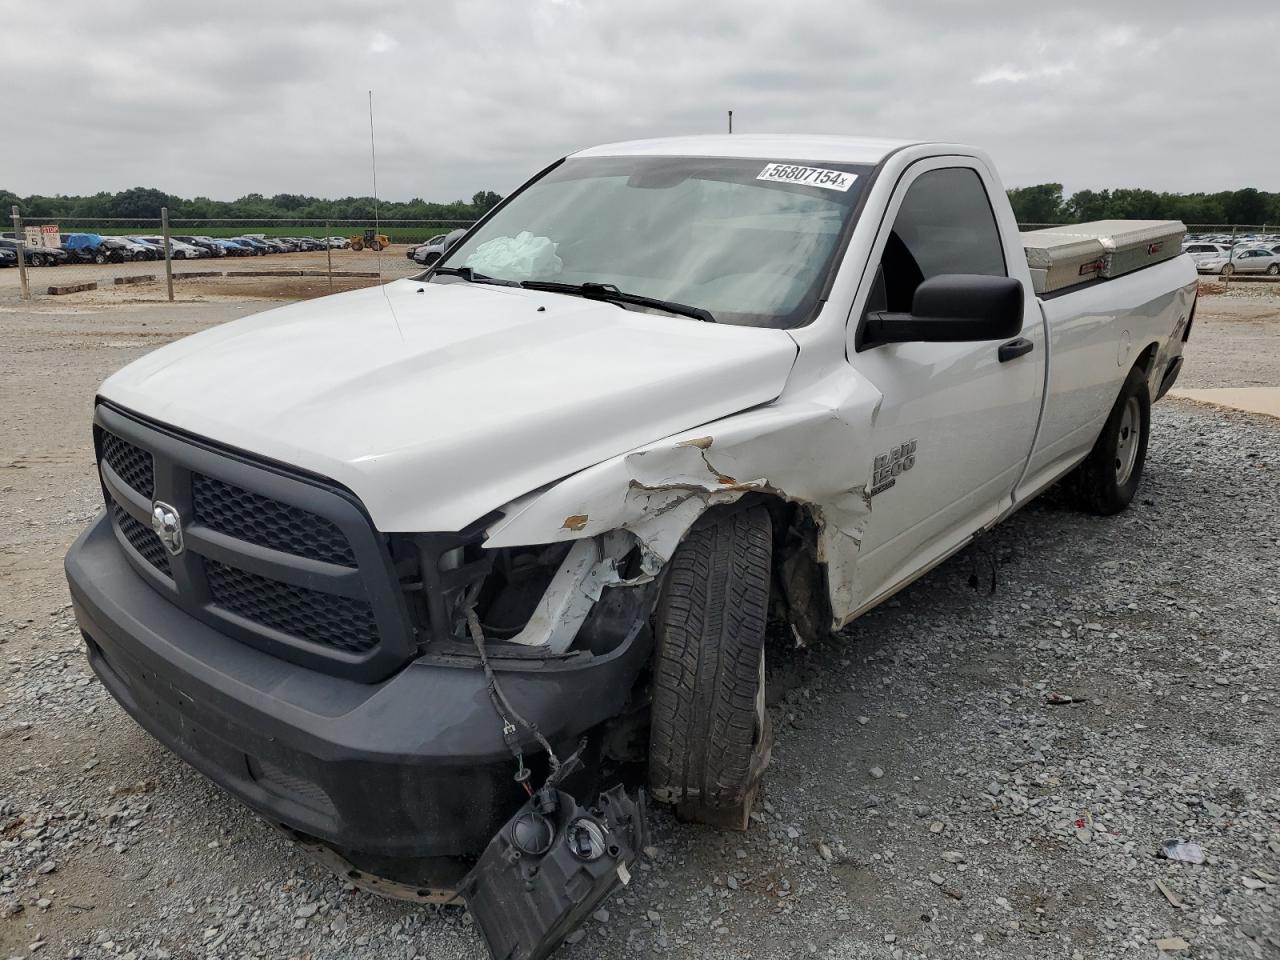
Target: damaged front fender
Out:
[812,453]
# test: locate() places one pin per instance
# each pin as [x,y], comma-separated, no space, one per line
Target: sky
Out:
[228,98]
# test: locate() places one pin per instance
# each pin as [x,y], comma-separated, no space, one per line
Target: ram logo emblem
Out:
[889,465]
[167,523]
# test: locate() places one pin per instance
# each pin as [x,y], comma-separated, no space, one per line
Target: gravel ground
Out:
[965,773]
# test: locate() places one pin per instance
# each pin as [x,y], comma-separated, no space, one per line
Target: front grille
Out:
[339,623]
[350,619]
[268,523]
[135,467]
[142,538]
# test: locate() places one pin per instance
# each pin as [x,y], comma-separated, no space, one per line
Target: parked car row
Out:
[1227,255]
[97,248]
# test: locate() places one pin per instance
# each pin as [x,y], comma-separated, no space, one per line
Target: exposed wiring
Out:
[507,713]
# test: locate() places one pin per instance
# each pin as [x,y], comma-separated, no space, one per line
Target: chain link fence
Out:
[274,257]
[176,259]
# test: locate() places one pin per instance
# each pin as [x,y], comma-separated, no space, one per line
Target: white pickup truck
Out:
[380,563]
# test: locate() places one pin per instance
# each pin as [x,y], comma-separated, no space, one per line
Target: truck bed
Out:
[1073,254]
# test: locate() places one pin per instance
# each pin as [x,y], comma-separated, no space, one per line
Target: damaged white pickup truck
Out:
[383,564]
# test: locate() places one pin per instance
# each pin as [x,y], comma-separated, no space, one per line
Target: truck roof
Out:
[766,146]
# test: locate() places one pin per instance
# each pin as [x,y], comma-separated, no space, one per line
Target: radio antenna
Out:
[373,162]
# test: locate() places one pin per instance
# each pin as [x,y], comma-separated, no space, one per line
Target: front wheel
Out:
[1273,270]
[709,738]
[1108,478]
[375,246]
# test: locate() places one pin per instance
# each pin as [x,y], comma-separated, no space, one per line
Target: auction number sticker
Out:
[808,176]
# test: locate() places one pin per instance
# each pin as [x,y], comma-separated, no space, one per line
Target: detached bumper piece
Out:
[549,867]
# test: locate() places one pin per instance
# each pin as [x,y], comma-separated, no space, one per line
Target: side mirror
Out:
[952,308]
[452,237]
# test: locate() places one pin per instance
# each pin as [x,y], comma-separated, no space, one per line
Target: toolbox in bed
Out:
[1066,256]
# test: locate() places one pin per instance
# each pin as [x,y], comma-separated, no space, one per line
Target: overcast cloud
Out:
[228,98]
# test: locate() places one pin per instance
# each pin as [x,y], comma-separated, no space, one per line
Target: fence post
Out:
[168,250]
[19,244]
[328,254]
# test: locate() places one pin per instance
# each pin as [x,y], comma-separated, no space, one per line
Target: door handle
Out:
[1014,349]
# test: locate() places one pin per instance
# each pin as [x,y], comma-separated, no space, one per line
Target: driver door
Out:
[956,422]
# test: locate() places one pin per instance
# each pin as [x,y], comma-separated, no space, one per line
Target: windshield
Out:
[751,241]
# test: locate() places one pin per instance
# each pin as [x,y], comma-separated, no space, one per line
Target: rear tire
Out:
[1228,269]
[709,739]
[1107,480]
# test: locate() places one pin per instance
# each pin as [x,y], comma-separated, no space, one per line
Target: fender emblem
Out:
[888,466]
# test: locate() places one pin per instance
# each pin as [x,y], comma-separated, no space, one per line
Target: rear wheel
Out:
[1228,269]
[1273,270]
[357,246]
[1108,478]
[709,741]
[375,246]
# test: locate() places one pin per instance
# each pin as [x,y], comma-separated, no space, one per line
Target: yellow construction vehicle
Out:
[370,239]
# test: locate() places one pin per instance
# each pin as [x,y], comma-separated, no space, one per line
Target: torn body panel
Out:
[589,567]
[811,451]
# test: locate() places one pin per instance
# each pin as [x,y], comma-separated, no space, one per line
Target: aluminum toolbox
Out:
[1072,254]
[1059,260]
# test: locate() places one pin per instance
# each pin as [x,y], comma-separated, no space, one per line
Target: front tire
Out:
[709,739]
[1107,480]
[1273,270]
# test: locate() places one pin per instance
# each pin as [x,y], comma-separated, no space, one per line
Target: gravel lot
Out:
[932,795]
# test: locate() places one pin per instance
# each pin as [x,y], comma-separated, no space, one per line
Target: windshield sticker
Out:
[808,176]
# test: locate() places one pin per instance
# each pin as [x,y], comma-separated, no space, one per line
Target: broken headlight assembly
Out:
[531,601]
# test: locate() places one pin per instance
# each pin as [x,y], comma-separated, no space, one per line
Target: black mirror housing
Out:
[952,308]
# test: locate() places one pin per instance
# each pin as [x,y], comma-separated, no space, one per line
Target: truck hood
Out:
[436,403]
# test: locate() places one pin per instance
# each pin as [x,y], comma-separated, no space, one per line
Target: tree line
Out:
[1041,203]
[1045,203]
[144,203]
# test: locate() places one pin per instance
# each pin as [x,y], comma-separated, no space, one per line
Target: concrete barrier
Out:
[140,278]
[264,273]
[189,274]
[342,273]
[71,288]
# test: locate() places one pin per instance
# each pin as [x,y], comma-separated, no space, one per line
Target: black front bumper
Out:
[412,766]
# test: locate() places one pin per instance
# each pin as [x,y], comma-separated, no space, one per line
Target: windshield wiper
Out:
[469,275]
[611,294]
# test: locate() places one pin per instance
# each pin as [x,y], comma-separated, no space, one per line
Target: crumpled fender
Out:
[813,451]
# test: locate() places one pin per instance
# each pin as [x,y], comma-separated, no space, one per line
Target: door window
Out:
[945,225]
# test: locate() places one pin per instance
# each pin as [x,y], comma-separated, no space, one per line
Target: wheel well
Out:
[1147,359]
